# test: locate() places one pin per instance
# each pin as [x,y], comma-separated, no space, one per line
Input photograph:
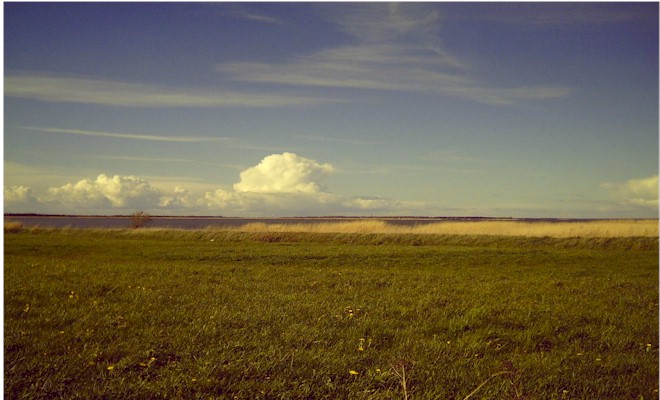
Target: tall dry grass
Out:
[587,229]
[13,226]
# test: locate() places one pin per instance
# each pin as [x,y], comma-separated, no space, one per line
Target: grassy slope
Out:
[119,314]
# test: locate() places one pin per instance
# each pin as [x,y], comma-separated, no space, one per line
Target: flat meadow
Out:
[271,312]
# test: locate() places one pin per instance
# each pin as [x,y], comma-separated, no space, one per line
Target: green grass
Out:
[94,314]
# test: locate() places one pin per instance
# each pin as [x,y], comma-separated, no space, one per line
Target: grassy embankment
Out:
[230,314]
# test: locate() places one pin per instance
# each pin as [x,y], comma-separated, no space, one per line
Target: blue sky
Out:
[294,109]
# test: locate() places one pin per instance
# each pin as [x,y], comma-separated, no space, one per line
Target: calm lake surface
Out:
[190,222]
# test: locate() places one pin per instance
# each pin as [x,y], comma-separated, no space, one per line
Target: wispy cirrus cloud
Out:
[555,15]
[125,94]
[386,22]
[131,136]
[396,48]
[379,67]
[239,11]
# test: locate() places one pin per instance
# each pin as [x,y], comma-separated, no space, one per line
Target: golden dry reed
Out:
[13,226]
[559,229]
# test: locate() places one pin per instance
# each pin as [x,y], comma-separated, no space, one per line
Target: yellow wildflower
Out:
[352,372]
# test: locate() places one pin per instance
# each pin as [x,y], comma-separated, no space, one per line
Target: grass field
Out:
[147,314]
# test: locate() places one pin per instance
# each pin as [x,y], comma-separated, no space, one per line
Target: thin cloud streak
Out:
[404,169]
[123,94]
[337,140]
[132,136]
[128,158]
[166,160]
[436,156]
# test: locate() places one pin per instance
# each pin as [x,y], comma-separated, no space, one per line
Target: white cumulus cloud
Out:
[181,199]
[281,184]
[640,192]
[284,173]
[116,192]
[14,194]
[20,199]
[221,199]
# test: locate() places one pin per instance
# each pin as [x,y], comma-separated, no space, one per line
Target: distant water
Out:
[187,222]
[205,222]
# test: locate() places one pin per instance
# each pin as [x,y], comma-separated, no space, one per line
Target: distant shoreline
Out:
[329,217]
